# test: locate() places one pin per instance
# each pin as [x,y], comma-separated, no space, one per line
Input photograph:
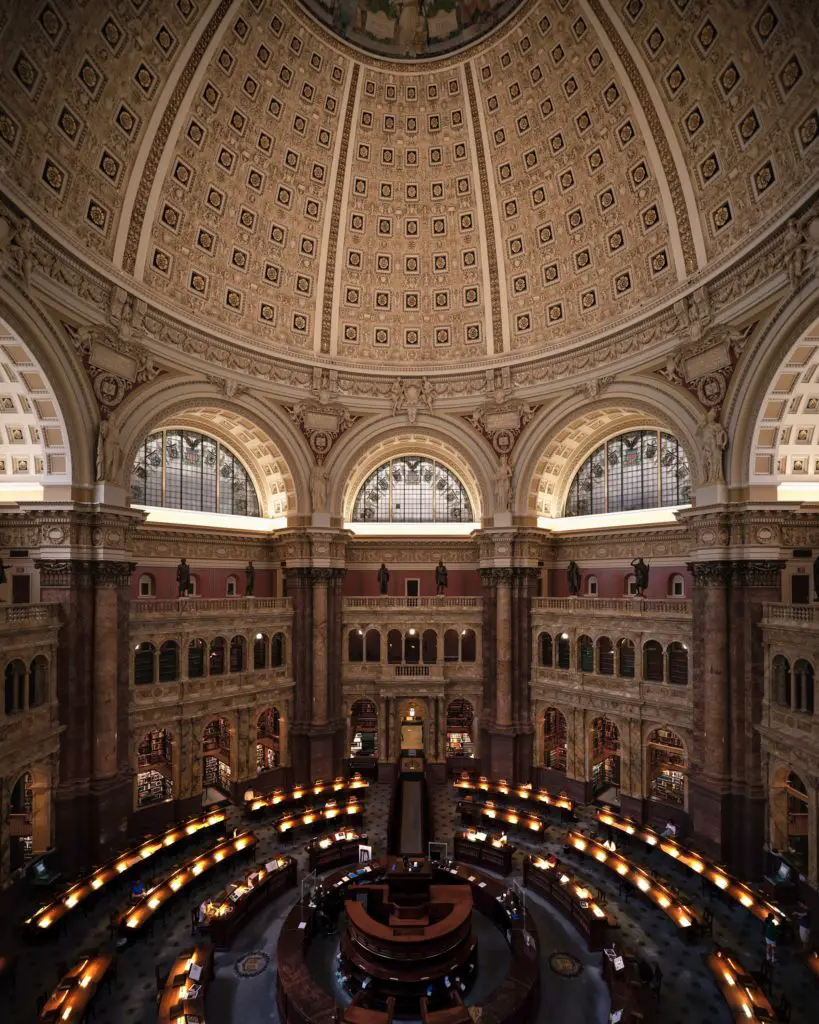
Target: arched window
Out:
[412,647]
[460,716]
[667,767]
[638,469]
[372,645]
[678,664]
[355,645]
[563,655]
[193,586]
[38,681]
[412,489]
[676,586]
[186,469]
[653,661]
[468,645]
[147,586]
[605,656]
[237,653]
[544,644]
[554,740]
[781,679]
[591,586]
[585,653]
[15,686]
[395,646]
[625,651]
[451,645]
[232,586]
[144,664]
[169,661]
[277,651]
[196,659]
[630,588]
[429,647]
[217,656]
[260,643]
[803,686]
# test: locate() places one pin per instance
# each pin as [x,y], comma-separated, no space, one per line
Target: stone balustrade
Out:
[411,603]
[152,608]
[790,614]
[632,606]
[16,614]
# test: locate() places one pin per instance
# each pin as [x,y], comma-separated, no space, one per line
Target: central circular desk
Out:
[409,934]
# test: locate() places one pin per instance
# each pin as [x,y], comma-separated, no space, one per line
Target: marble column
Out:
[503,652]
[320,696]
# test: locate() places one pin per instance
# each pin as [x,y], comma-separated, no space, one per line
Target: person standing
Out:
[771,932]
[803,921]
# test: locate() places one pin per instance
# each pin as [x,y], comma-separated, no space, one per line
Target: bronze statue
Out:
[640,575]
[815,578]
[573,577]
[3,572]
[441,577]
[250,579]
[183,578]
[383,579]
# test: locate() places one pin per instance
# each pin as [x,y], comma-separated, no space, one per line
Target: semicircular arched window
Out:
[412,489]
[188,470]
[638,469]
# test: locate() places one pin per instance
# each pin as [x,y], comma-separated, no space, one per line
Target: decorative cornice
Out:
[724,573]
[82,572]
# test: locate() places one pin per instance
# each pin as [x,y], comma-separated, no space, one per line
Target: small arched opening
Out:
[666,767]
[268,740]
[803,686]
[653,661]
[544,649]
[412,646]
[38,688]
[563,651]
[678,664]
[260,646]
[154,768]
[216,773]
[554,740]
[605,656]
[278,652]
[460,721]
[144,664]
[605,759]
[781,681]
[625,658]
[216,659]
[789,818]
[372,646]
[196,658]
[355,645]
[585,653]
[429,647]
[238,661]
[169,661]
[395,646]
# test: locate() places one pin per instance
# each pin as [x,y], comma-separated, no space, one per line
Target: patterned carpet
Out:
[244,987]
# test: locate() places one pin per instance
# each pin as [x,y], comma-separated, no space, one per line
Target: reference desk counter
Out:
[683,916]
[300,798]
[71,998]
[183,995]
[226,914]
[486,849]
[745,998]
[473,812]
[508,793]
[752,900]
[334,849]
[48,916]
[561,887]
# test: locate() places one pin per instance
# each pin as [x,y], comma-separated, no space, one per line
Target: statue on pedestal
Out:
[250,579]
[183,578]
[573,578]
[3,572]
[441,577]
[714,440]
[640,575]
[383,579]
[503,484]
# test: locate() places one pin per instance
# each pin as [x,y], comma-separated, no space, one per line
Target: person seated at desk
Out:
[670,830]
[137,890]
[249,795]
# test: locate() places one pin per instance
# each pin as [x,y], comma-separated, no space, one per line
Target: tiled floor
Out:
[689,995]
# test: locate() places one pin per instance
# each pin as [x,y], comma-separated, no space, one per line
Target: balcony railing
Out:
[795,614]
[413,602]
[614,605]
[28,612]
[412,670]
[204,605]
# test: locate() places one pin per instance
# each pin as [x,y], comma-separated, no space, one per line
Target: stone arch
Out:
[795,320]
[47,415]
[791,828]
[563,434]
[366,446]
[40,787]
[263,439]
[666,756]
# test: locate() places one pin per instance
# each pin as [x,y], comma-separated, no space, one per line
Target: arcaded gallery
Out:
[409,511]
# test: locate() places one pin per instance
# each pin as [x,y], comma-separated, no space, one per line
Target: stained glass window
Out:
[412,489]
[639,469]
[186,469]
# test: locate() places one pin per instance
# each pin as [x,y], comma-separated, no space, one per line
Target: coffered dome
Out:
[577,167]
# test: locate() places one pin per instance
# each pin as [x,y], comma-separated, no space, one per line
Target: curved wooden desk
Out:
[301,1000]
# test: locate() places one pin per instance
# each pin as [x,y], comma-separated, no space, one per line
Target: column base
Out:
[91,821]
[633,807]
[387,772]
[710,813]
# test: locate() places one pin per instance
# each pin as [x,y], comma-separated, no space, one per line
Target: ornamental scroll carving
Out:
[81,572]
[722,573]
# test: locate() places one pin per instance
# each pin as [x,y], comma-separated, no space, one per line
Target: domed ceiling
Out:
[581,164]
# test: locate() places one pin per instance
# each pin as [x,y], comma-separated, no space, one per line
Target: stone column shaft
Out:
[503,703]
[320,693]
